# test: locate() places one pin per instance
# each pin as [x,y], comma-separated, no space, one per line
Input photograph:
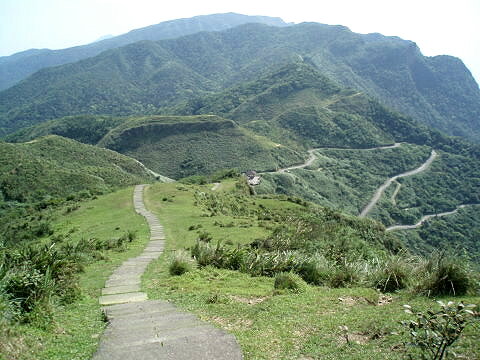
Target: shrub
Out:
[180,263]
[344,275]
[315,271]
[289,281]
[433,332]
[392,274]
[205,254]
[445,275]
[204,236]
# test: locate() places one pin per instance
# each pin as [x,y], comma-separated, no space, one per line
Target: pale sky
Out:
[450,27]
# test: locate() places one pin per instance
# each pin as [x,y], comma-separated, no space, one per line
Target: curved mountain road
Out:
[312,157]
[387,183]
[426,218]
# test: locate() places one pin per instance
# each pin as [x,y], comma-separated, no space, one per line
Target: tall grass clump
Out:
[35,277]
[290,282]
[346,274]
[316,270]
[391,274]
[444,274]
[181,263]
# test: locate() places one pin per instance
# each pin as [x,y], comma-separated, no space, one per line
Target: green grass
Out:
[53,166]
[272,324]
[77,327]
[292,326]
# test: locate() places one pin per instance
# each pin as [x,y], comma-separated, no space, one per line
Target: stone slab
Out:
[121,289]
[123,282]
[122,298]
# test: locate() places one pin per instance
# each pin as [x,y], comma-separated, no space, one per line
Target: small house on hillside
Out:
[252,177]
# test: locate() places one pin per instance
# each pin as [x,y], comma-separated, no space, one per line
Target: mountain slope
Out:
[53,166]
[18,66]
[87,129]
[146,76]
[298,104]
[182,146]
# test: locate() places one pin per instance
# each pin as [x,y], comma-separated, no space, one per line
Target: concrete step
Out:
[122,298]
[123,282]
[202,343]
[145,307]
[120,289]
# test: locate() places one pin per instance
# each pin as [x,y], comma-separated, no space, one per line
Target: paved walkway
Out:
[154,329]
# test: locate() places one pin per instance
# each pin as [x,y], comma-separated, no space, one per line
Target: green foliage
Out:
[36,274]
[457,232]
[444,274]
[87,129]
[54,167]
[434,332]
[144,77]
[180,263]
[290,282]
[181,146]
[394,273]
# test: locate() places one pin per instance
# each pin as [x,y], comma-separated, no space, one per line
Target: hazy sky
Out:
[438,26]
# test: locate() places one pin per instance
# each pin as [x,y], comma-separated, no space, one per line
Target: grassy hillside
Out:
[87,129]
[342,178]
[182,146]
[241,242]
[451,180]
[53,166]
[62,276]
[297,104]
[143,77]
[293,323]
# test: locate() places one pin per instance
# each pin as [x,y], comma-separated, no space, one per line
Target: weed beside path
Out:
[75,330]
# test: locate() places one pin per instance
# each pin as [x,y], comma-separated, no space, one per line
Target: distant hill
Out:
[151,77]
[53,166]
[298,105]
[87,129]
[18,66]
[180,146]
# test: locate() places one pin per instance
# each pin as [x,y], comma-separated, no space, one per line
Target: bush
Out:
[445,275]
[432,333]
[180,263]
[315,271]
[392,274]
[344,276]
[289,281]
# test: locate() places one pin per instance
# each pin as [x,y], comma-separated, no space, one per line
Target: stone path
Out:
[154,329]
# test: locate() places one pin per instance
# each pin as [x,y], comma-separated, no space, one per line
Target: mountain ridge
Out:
[144,77]
[18,66]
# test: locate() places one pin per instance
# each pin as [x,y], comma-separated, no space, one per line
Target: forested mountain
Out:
[18,66]
[145,77]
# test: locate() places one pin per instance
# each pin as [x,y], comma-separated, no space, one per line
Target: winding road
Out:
[312,157]
[425,218]
[379,192]
[387,183]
